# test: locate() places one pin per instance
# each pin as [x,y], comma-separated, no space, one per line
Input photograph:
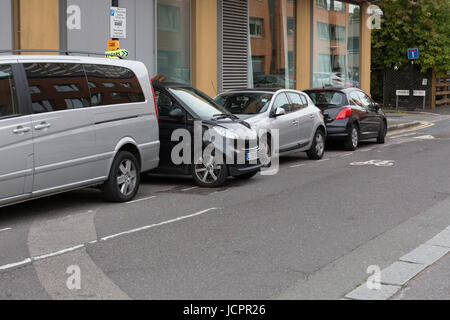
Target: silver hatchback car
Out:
[69,122]
[299,122]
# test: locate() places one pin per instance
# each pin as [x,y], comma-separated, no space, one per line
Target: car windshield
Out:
[202,105]
[324,97]
[245,103]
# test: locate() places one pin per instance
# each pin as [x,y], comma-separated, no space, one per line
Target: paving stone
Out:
[400,272]
[364,293]
[442,239]
[425,254]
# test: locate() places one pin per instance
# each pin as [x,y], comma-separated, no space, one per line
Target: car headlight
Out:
[225,133]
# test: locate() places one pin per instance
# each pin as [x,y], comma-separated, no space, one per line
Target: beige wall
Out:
[303,44]
[365,55]
[38,23]
[204,46]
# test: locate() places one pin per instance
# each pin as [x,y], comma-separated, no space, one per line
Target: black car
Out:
[350,115]
[206,123]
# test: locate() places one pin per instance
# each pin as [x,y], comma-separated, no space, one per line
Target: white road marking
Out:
[298,165]
[57,253]
[366,150]
[158,224]
[81,246]
[346,155]
[404,135]
[426,137]
[323,160]
[140,200]
[188,189]
[15,264]
[6,229]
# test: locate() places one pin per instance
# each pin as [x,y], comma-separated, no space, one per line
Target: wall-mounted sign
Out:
[404,93]
[420,93]
[118,22]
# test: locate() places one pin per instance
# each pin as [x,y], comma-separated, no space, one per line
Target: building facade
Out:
[214,45]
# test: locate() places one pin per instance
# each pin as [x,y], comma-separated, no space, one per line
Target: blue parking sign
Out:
[413,53]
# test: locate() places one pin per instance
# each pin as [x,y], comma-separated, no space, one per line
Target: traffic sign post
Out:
[413,53]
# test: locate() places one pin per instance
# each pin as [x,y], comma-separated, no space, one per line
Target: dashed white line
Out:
[188,189]
[323,160]
[346,155]
[5,229]
[298,165]
[15,264]
[158,224]
[61,252]
[140,200]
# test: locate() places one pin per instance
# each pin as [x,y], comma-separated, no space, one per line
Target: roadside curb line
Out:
[406,268]
[404,125]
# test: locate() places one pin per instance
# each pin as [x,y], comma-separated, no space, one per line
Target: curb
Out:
[404,125]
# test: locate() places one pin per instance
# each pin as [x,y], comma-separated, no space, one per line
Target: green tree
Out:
[432,35]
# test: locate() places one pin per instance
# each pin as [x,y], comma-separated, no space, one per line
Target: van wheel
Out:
[124,178]
[352,141]
[209,174]
[318,146]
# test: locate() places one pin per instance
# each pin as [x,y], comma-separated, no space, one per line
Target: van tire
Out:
[125,167]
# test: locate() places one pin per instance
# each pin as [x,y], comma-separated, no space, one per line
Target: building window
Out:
[336,43]
[174,47]
[169,18]
[272,50]
[256,27]
[330,32]
[331,5]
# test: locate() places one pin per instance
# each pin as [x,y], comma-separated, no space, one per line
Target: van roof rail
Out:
[65,52]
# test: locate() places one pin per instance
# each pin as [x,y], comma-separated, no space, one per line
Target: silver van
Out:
[68,122]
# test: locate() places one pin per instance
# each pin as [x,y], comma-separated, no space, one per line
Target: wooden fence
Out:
[440,90]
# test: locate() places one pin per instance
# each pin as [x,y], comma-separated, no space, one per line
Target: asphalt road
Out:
[309,232]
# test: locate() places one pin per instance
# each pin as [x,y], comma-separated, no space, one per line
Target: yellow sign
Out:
[113,45]
[117,54]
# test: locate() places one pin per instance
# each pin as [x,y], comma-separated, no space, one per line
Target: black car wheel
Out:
[352,141]
[318,146]
[382,134]
[208,173]
[124,178]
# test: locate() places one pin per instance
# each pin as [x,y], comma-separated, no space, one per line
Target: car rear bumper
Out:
[338,129]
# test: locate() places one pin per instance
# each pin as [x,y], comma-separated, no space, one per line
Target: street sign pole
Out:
[114,3]
[411,87]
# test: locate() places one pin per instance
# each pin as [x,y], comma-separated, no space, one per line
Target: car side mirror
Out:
[279,112]
[176,114]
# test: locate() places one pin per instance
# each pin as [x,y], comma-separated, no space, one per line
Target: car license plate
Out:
[251,155]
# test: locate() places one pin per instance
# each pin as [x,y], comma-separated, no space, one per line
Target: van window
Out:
[113,85]
[57,86]
[8,96]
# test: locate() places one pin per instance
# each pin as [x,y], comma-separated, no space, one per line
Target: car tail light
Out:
[154,100]
[344,114]
[338,80]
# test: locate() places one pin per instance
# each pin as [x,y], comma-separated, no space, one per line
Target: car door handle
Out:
[311,116]
[21,130]
[42,126]
[295,122]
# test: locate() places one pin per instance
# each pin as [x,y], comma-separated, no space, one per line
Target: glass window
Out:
[281,101]
[202,105]
[355,99]
[297,102]
[324,97]
[174,58]
[245,103]
[57,86]
[165,103]
[365,99]
[272,50]
[107,87]
[336,44]
[8,95]
[256,27]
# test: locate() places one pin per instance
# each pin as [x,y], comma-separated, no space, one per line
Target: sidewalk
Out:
[404,119]
[431,284]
